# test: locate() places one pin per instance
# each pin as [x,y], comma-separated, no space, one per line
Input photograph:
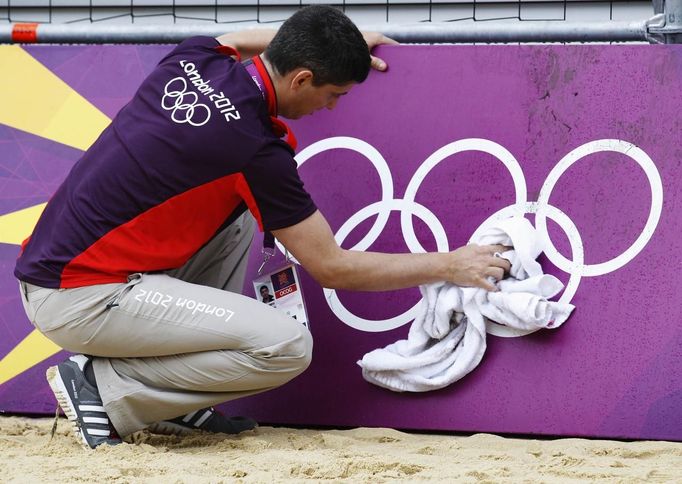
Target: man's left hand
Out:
[373,39]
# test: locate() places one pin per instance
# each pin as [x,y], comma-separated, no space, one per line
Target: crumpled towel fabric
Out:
[447,339]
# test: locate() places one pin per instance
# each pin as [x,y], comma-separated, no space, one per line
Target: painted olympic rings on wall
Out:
[408,207]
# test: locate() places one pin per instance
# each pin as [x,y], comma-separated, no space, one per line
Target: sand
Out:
[359,455]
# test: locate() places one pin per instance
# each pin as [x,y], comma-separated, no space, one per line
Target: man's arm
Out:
[248,43]
[252,42]
[312,243]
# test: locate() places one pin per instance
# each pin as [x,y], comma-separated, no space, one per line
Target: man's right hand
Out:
[471,265]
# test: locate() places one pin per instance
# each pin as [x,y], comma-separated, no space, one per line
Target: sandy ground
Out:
[360,455]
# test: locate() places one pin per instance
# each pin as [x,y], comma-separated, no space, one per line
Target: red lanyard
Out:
[261,78]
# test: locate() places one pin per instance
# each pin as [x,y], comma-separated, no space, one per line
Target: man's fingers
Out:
[487,285]
[378,64]
[499,248]
[373,39]
[496,273]
[501,262]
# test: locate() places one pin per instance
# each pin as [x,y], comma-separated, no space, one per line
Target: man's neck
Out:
[268,67]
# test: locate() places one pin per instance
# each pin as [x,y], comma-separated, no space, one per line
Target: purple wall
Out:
[613,370]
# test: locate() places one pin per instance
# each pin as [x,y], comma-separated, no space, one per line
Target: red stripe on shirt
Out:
[161,238]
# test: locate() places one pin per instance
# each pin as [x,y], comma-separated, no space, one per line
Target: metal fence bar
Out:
[540,31]
[249,3]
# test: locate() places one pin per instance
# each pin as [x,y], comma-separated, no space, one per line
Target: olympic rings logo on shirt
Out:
[408,207]
[176,101]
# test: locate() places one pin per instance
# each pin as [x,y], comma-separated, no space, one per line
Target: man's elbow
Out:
[325,277]
[333,274]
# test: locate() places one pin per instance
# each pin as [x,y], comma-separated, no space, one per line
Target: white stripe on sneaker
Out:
[203,418]
[96,420]
[189,416]
[91,408]
[100,432]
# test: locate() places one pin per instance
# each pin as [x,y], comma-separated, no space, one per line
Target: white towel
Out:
[448,338]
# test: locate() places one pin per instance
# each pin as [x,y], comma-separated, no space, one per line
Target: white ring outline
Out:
[333,301]
[379,163]
[173,94]
[189,112]
[468,144]
[645,162]
[181,104]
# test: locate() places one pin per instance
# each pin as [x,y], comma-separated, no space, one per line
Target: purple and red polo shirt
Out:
[183,159]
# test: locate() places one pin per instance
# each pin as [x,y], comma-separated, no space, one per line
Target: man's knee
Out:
[306,347]
[292,354]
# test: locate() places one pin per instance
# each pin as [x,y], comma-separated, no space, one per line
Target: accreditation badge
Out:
[281,289]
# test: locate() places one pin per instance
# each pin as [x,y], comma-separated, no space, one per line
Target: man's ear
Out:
[301,78]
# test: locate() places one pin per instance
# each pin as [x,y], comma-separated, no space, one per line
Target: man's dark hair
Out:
[323,40]
[264,287]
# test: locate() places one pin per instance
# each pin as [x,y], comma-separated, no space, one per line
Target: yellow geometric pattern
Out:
[31,351]
[16,226]
[35,100]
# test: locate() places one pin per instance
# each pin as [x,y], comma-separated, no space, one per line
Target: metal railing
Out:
[664,27]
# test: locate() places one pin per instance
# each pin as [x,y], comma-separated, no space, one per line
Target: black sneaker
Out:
[206,420]
[80,401]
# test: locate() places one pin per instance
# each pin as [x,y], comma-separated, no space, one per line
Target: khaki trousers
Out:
[168,344]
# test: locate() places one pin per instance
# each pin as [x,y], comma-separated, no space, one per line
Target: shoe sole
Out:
[170,428]
[64,400]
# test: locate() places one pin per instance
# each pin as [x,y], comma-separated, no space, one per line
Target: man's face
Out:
[264,291]
[310,98]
